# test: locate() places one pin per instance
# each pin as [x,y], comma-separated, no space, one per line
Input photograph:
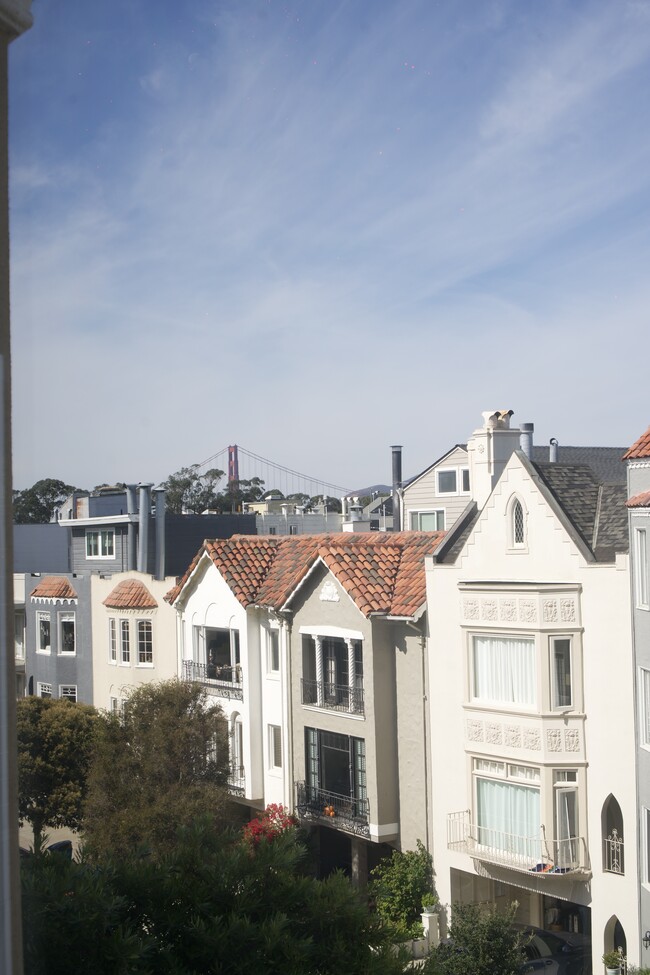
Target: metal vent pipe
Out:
[143,537]
[526,439]
[397,483]
[131,509]
[159,564]
[552,450]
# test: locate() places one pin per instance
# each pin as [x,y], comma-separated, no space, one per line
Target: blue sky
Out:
[319,228]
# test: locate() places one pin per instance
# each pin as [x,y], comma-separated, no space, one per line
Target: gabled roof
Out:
[382,573]
[416,477]
[54,587]
[605,462]
[640,447]
[640,500]
[130,594]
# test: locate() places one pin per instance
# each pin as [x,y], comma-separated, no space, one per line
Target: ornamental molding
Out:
[329,593]
[554,739]
[548,609]
[475,731]
[54,600]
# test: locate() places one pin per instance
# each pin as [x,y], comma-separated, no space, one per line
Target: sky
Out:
[317,228]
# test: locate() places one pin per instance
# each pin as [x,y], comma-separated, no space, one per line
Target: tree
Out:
[213,902]
[55,745]
[400,885]
[480,943]
[35,505]
[190,491]
[160,764]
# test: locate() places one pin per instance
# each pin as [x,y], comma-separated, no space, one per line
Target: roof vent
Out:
[526,439]
[553,450]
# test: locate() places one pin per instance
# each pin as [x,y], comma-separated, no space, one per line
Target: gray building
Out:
[638,481]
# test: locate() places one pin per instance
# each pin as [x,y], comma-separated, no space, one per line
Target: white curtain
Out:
[508,817]
[567,827]
[505,670]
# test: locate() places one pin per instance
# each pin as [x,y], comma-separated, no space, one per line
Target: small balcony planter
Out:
[612,962]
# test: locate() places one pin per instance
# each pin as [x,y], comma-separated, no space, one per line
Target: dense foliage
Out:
[55,747]
[160,764]
[268,825]
[213,903]
[189,491]
[35,505]
[400,886]
[481,942]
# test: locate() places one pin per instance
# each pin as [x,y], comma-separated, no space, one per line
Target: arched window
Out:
[516,517]
[612,831]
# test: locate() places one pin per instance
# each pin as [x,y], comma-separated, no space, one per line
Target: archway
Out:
[611,819]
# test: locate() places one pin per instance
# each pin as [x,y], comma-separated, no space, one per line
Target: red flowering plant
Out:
[269,824]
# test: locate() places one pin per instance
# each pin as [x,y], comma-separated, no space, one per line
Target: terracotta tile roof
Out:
[640,500]
[382,573]
[640,447]
[54,587]
[130,594]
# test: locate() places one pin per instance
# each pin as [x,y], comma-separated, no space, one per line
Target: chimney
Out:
[526,439]
[552,450]
[489,449]
[131,509]
[143,539]
[159,565]
[397,483]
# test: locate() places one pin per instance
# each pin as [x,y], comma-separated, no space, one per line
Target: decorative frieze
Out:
[568,610]
[475,730]
[550,611]
[528,610]
[489,608]
[554,739]
[508,610]
[539,609]
[471,609]
[493,733]
[512,735]
[532,739]
[572,740]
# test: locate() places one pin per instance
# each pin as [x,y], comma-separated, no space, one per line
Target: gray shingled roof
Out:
[605,462]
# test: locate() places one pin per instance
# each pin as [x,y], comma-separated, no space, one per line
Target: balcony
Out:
[613,853]
[331,809]
[540,854]
[237,780]
[333,697]
[224,681]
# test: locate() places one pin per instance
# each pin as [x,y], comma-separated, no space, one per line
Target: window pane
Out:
[108,543]
[465,477]
[561,677]
[517,523]
[69,692]
[446,482]
[145,642]
[92,544]
[508,817]
[431,521]
[43,632]
[641,567]
[505,671]
[67,633]
[274,650]
[276,746]
[112,640]
[125,641]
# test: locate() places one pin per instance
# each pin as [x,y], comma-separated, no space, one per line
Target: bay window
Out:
[508,807]
[561,682]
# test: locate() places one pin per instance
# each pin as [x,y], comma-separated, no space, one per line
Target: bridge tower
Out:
[233,464]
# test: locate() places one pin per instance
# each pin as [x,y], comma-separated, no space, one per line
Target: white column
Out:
[351,673]
[319,670]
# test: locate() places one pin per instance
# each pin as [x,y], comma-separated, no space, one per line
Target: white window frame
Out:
[44,689]
[64,692]
[645,872]
[447,470]
[112,640]
[565,782]
[19,633]
[514,544]
[67,617]
[641,589]
[273,651]
[498,703]
[644,707]
[275,745]
[555,705]
[43,618]
[415,518]
[125,644]
[520,777]
[141,631]
[102,536]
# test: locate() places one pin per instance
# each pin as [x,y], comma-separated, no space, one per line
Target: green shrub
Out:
[400,886]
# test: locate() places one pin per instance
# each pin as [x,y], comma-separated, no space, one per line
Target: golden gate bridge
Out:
[243,465]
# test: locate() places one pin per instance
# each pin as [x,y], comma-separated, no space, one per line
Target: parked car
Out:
[554,952]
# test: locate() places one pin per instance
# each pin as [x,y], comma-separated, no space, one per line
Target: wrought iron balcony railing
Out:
[334,697]
[225,681]
[345,812]
[237,780]
[528,854]
[613,853]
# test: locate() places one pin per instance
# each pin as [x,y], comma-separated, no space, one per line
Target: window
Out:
[293,529]
[112,641]
[447,482]
[125,642]
[518,525]
[223,655]
[273,637]
[561,686]
[275,746]
[273,530]
[100,544]
[66,633]
[336,765]
[328,680]
[644,706]
[566,817]
[504,671]
[145,642]
[428,521]
[43,633]
[508,807]
[19,634]
[69,692]
[465,480]
[117,705]
[44,690]
[641,568]
[646,846]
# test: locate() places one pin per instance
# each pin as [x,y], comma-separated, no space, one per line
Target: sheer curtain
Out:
[505,670]
[508,817]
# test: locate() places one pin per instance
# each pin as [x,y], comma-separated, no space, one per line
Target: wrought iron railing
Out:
[614,854]
[531,854]
[225,681]
[237,780]
[345,812]
[334,697]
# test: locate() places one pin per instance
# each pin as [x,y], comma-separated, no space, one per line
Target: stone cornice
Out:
[15,17]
